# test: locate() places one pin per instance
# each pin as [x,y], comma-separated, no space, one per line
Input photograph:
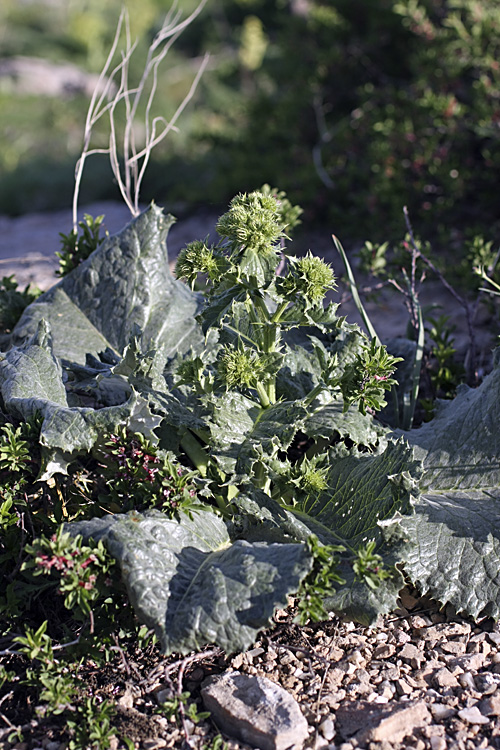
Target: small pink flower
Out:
[90,559]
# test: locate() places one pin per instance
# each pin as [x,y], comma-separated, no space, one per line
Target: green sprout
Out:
[369,566]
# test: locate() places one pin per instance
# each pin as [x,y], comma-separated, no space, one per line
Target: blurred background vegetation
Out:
[354,107]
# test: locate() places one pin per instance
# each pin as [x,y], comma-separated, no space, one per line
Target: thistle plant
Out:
[253,311]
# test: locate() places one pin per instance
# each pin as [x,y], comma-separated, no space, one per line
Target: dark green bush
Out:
[363,106]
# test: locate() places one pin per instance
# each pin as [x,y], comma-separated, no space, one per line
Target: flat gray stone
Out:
[255,710]
[367,722]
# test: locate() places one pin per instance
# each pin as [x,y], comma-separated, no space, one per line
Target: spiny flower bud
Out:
[240,367]
[197,258]
[252,222]
[309,278]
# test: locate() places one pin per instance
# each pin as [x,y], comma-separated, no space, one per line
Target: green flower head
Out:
[309,278]
[197,258]
[240,368]
[312,479]
[252,222]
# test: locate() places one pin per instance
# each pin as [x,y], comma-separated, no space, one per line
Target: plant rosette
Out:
[229,381]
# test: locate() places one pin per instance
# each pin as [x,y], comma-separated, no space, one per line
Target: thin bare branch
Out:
[129,171]
[146,153]
[471,354]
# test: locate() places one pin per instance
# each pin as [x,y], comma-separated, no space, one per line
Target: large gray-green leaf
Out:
[364,492]
[260,517]
[456,525]
[242,431]
[331,420]
[31,384]
[455,554]
[126,283]
[461,445]
[188,581]
[364,489]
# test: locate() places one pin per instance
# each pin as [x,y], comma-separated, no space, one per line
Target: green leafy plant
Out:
[445,372]
[140,475]
[77,246]
[13,302]
[92,727]
[171,708]
[268,399]
[81,571]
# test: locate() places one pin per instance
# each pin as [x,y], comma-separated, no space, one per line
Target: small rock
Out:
[255,710]
[468,662]
[153,744]
[126,700]
[417,622]
[402,687]
[437,743]
[370,722]
[355,657]
[454,647]
[443,678]
[486,682]
[327,729]
[490,706]
[441,712]
[250,655]
[400,637]
[473,715]
[466,681]
[408,601]
[238,660]
[384,651]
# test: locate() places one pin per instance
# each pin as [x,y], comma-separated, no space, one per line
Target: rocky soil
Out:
[419,679]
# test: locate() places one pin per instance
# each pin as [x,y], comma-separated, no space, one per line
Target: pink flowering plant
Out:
[80,573]
[140,475]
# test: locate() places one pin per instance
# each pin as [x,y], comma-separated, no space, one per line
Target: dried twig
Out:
[470,360]
[114,91]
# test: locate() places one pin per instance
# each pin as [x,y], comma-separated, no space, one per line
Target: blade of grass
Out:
[354,291]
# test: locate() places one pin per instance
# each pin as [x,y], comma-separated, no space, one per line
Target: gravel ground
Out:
[420,679]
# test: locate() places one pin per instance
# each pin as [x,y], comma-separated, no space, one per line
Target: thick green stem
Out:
[261,480]
[196,452]
[279,312]
[314,394]
[271,390]
[263,395]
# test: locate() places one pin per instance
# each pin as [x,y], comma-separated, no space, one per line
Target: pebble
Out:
[384,651]
[438,743]
[327,729]
[486,682]
[473,715]
[490,706]
[466,681]
[441,711]
[443,678]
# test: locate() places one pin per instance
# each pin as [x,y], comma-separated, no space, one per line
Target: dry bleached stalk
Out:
[113,88]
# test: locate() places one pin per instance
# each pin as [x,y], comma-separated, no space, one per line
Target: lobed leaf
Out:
[192,584]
